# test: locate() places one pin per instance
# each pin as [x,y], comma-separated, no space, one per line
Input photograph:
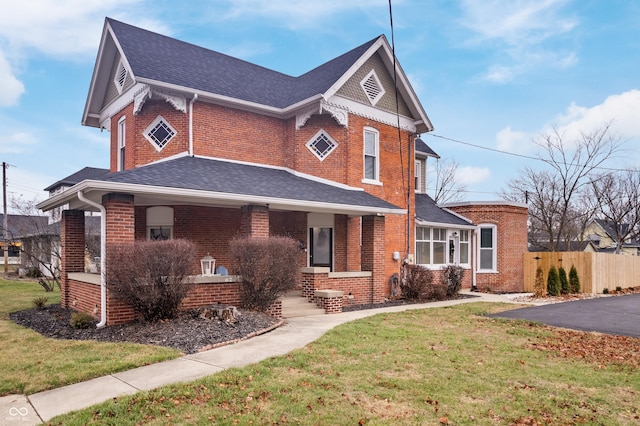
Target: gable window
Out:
[418,177]
[159,132]
[371,155]
[120,77]
[487,248]
[122,127]
[372,87]
[321,145]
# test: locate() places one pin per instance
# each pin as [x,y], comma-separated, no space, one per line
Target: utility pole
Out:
[4,225]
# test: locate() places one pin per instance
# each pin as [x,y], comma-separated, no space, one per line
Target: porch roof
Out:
[428,212]
[222,183]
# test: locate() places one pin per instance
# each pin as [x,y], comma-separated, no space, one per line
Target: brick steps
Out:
[294,305]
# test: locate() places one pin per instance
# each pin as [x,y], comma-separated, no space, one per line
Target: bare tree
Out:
[446,189]
[555,194]
[616,198]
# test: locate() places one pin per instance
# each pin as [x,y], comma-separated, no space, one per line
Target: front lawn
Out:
[433,366]
[32,363]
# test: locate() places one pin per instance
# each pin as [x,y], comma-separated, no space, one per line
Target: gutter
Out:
[103,255]
[195,97]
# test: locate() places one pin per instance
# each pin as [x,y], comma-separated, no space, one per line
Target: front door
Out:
[321,245]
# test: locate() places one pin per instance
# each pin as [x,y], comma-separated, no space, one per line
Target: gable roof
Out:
[224,183]
[428,212]
[79,176]
[20,225]
[423,148]
[172,64]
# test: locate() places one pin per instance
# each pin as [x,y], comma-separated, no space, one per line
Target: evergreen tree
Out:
[564,282]
[553,284]
[574,281]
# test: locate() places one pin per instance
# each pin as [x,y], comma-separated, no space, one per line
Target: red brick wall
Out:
[511,228]
[357,287]
[373,255]
[72,241]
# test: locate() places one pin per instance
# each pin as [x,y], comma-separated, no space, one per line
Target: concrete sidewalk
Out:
[294,334]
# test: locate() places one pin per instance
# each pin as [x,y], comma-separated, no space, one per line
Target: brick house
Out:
[205,146]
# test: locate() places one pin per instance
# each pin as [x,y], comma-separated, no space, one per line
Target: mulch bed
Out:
[400,302]
[189,333]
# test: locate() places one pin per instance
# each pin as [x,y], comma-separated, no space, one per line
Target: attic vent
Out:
[372,87]
[159,132]
[120,77]
[321,145]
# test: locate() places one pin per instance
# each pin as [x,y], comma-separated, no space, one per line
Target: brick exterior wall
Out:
[72,241]
[373,255]
[511,227]
[254,221]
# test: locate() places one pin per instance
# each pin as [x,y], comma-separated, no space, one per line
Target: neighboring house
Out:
[205,146]
[18,226]
[602,237]
[62,185]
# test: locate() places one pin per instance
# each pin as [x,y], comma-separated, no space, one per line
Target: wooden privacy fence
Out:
[596,271]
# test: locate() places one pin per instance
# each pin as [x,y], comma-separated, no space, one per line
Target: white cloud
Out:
[469,175]
[10,87]
[513,141]
[15,141]
[621,110]
[524,30]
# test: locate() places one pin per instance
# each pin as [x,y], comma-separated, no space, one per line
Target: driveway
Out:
[617,315]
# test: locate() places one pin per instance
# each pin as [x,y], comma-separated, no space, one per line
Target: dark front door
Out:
[321,253]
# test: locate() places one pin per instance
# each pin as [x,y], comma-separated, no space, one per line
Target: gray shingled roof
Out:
[424,148]
[79,176]
[205,174]
[428,211]
[160,58]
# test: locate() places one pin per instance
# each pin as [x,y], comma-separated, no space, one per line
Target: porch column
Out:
[353,244]
[254,221]
[372,254]
[72,246]
[120,220]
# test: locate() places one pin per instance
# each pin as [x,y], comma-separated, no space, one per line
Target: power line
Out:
[528,157]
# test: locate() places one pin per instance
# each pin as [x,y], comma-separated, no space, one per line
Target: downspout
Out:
[195,96]
[474,247]
[103,252]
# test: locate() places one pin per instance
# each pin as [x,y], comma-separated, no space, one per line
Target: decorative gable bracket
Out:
[338,113]
[179,102]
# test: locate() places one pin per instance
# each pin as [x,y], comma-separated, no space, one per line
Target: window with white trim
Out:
[122,142]
[487,248]
[159,223]
[418,177]
[159,132]
[321,145]
[372,87]
[431,246]
[120,77]
[371,154]
[464,247]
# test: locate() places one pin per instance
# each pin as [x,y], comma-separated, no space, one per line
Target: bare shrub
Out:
[451,277]
[151,276]
[269,267]
[539,287]
[418,283]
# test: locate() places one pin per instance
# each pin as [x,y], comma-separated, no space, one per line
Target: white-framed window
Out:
[120,77]
[322,144]
[463,247]
[159,223]
[159,132]
[122,142]
[418,177]
[431,246]
[487,247]
[372,87]
[371,155]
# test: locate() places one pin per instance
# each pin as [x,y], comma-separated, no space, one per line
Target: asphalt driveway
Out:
[617,315]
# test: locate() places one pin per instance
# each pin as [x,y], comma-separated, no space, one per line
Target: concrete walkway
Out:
[294,334]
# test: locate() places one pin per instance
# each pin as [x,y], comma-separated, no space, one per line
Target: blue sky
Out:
[492,73]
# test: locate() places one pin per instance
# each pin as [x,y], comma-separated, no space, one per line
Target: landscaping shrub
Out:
[564,282]
[151,276]
[40,301]
[269,267]
[81,320]
[452,277]
[574,281]
[417,279]
[539,288]
[553,284]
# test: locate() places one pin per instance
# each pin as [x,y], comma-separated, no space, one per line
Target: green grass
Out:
[33,363]
[425,367]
